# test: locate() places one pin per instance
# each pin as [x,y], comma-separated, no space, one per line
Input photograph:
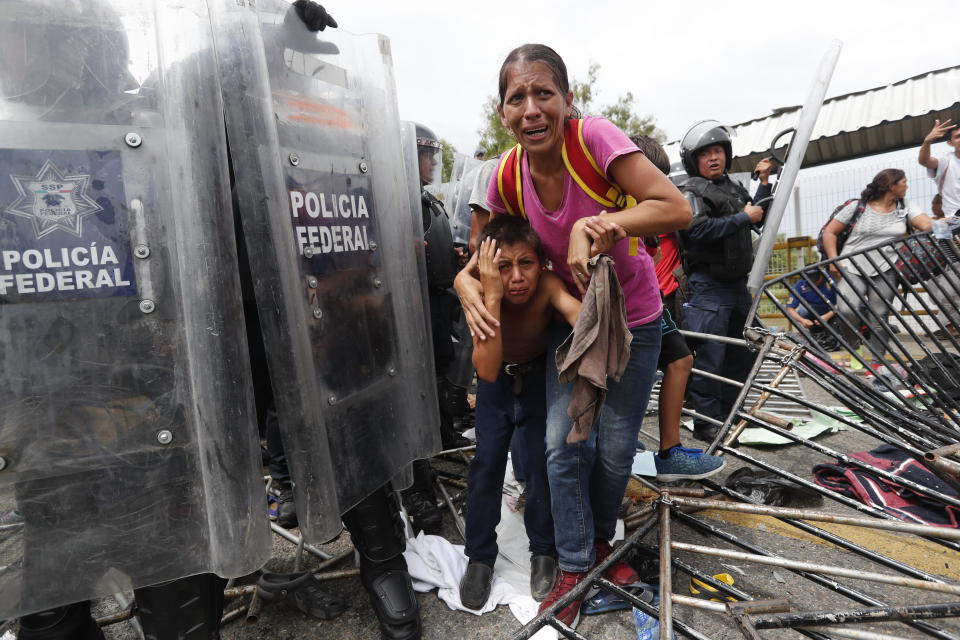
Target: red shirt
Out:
[669,261]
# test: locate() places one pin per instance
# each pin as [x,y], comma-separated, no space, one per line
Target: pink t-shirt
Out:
[606,143]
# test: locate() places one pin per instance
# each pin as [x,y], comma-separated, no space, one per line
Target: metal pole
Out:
[817,568]
[309,548]
[870,614]
[819,516]
[797,225]
[798,148]
[666,579]
[827,583]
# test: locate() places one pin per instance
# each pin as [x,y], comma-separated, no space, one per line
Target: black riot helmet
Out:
[428,148]
[700,136]
[426,137]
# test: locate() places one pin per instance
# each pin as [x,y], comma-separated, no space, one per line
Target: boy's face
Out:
[519,269]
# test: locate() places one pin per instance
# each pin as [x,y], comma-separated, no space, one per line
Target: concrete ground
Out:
[440,623]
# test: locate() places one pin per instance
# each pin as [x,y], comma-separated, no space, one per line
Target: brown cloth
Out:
[598,347]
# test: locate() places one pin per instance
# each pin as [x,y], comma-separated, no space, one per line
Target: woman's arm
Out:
[660,208]
[921,222]
[830,244]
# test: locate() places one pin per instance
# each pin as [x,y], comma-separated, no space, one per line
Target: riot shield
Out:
[334,251]
[128,453]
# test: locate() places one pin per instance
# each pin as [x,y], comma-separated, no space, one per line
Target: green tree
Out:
[495,138]
[623,115]
[446,157]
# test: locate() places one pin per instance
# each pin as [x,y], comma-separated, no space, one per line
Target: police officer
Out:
[717,255]
[420,499]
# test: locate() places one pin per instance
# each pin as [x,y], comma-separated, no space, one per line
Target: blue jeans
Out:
[500,413]
[588,479]
[719,308]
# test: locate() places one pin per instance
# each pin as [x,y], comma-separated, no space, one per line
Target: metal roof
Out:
[853,125]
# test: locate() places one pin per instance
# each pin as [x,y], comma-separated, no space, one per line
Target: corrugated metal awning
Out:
[854,125]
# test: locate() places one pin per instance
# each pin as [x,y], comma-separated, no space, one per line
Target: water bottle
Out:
[941,230]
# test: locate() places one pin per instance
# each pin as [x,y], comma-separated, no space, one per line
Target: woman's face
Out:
[899,188]
[534,109]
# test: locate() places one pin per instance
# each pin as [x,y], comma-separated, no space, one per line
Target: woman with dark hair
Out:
[871,283]
[587,479]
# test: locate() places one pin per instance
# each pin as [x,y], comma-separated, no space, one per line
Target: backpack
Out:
[843,235]
[581,166]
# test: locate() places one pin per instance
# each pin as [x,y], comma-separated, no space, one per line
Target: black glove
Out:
[314,15]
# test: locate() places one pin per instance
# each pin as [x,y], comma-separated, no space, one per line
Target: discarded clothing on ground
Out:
[892,498]
[769,488]
[436,563]
[599,347]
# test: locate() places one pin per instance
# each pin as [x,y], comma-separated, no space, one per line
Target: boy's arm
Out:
[560,299]
[488,353]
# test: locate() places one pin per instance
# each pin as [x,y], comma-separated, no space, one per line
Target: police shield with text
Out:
[335,257]
[128,456]
[717,255]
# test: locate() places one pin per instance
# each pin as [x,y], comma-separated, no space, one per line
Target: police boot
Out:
[377,533]
[420,500]
[72,622]
[184,608]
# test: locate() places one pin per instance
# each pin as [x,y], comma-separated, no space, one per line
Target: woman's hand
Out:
[480,322]
[835,272]
[603,233]
[578,253]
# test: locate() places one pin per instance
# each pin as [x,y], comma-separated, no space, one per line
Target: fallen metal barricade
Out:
[902,394]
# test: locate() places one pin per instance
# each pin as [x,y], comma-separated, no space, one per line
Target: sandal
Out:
[303,591]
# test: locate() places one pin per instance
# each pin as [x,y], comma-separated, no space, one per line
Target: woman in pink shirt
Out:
[587,479]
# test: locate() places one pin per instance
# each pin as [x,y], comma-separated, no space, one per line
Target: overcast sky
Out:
[683,60]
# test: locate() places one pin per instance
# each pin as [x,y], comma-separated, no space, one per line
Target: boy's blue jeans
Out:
[499,413]
[588,479]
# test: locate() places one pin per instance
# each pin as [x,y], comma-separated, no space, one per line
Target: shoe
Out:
[475,585]
[543,573]
[705,432]
[567,580]
[424,513]
[450,439]
[286,509]
[303,591]
[619,573]
[682,463]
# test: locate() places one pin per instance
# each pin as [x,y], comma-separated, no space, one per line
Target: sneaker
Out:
[682,463]
[475,585]
[570,614]
[424,513]
[619,573]
[286,509]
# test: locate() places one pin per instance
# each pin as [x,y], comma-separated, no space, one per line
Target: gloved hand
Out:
[314,15]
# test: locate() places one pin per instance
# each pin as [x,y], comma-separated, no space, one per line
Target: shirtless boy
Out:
[523,297]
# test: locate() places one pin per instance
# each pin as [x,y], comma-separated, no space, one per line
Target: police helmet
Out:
[701,135]
[426,138]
